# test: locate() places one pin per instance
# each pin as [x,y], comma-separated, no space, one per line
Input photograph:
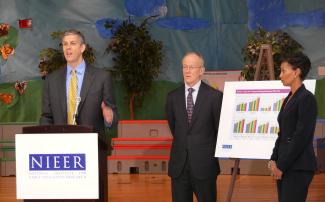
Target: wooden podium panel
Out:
[57,129]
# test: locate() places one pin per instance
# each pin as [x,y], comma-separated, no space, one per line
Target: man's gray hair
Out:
[74,32]
[195,53]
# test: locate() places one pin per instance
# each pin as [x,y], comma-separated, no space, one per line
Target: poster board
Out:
[217,79]
[248,123]
[57,166]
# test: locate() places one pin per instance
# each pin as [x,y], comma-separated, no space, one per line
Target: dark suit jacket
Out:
[96,87]
[293,148]
[195,142]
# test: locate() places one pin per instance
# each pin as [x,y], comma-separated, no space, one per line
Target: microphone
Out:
[75,114]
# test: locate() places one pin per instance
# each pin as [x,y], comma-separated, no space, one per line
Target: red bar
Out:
[125,157]
[168,146]
[142,139]
[143,122]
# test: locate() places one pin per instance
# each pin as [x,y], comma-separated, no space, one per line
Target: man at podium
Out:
[81,94]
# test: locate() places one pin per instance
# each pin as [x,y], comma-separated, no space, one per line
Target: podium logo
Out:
[57,161]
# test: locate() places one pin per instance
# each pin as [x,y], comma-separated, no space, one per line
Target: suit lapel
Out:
[63,92]
[294,98]
[86,83]
[182,99]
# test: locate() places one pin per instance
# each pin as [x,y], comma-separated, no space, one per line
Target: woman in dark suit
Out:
[293,161]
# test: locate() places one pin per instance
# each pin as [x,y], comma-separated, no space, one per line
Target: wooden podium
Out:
[102,156]
[57,129]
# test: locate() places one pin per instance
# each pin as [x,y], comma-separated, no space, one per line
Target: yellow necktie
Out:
[72,97]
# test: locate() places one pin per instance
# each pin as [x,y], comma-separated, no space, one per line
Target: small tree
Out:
[281,42]
[137,59]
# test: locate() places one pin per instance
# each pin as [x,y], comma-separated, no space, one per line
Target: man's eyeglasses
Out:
[190,67]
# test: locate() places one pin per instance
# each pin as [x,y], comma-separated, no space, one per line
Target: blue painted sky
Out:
[273,15]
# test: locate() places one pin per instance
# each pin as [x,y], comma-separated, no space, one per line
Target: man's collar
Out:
[80,69]
[195,87]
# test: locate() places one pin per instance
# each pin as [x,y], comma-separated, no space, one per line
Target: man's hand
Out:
[275,171]
[107,113]
[277,174]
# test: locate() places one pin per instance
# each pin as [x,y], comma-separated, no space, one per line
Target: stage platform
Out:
[156,188]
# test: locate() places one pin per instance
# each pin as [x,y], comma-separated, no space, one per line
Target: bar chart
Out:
[248,125]
[255,113]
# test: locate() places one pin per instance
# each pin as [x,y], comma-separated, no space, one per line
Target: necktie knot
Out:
[191,90]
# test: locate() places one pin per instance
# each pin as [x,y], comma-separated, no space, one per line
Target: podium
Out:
[69,163]
[57,129]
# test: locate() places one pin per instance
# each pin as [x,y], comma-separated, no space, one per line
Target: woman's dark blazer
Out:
[293,148]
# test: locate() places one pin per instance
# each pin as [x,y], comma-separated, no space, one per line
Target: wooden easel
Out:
[264,59]
[233,180]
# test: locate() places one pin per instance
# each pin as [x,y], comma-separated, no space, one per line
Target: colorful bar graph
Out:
[277,105]
[251,127]
[274,129]
[265,109]
[241,107]
[253,106]
[239,126]
[263,128]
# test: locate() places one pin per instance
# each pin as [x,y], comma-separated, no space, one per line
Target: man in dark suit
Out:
[93,87]
[193,112]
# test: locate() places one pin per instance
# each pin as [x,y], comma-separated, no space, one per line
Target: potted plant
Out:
[137,59]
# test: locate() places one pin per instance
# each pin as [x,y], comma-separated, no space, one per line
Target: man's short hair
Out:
[74,32]
[195,53]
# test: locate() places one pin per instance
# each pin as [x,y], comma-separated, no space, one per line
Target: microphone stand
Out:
[75,114]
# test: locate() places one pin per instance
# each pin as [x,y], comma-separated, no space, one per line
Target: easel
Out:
[265,59]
